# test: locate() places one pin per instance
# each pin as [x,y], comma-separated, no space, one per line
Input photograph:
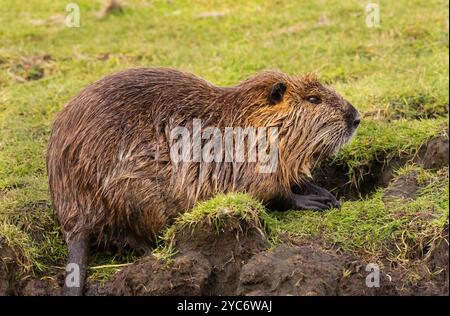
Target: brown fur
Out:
[108,162]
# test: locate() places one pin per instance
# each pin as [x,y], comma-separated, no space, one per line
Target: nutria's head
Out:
[314,121]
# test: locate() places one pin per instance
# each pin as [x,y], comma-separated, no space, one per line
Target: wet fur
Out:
[108,162]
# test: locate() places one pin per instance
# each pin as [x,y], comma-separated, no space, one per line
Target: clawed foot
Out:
[317,198]
[312,197]
[316,202]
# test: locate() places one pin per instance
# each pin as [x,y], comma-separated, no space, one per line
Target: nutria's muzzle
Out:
[352,117]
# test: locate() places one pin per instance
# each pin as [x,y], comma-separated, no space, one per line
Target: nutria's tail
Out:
[76,266]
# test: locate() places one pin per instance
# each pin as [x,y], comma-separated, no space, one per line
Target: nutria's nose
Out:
[357,121]
[353,117]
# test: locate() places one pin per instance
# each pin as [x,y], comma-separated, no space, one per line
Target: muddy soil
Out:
[305,270]
[404,187]
[242,264]
[207,263]
[8,269]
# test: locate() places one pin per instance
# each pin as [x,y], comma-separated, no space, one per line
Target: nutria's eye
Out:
[314,99]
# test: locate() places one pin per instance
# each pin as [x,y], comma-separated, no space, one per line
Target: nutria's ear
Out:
[277,93]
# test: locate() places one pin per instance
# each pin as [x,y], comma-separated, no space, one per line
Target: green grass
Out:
[396,75]
[377,228]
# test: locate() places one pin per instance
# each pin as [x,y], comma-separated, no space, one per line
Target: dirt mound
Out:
[38,287]
[403,187]
[186,275]
[237,260]
[286,270]
[14,281]
[8,269]
[438,259]
[434,270]
[291,270]
[208,261]
[309,271]
[226,252]
[435,154]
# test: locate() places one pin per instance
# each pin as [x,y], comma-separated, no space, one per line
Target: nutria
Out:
[109,164]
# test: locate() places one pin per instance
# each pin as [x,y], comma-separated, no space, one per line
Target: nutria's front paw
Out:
[316,202]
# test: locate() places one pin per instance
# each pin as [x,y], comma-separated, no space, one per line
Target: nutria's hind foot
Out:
[76,266]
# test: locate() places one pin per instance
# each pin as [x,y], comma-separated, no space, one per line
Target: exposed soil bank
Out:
[287,269]
[7,269]
[239,263]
